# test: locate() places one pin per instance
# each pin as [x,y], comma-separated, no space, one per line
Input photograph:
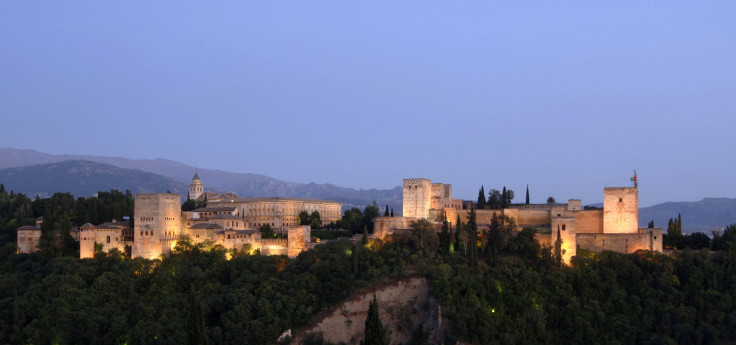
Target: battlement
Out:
[157,196]
[416,180]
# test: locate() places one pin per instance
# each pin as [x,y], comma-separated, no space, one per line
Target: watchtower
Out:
[157,224]
[417,197]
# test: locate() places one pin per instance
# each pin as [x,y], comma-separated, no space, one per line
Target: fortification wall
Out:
[588,221]
[417,197]
[648,239]
[533,217]
[157,224]
[620,210]
[383,226]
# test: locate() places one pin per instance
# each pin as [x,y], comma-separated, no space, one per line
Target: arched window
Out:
[108,239]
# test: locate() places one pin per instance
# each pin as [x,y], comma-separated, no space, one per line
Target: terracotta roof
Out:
[215,209]
[246,232]
[224,216]
[28,227]
[87,226]
[205,226]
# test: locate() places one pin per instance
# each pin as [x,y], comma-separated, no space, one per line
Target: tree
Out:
[551,200]
[445,237]
[504,198]
[509,196]
[375,334]
[557,253]
[650,225]
[673,238]
[494,199]
[498,235]
[315,220]
[472,227]
[303,217]
[481,198]
[369,214]
[392,212]
[527,194]
[196,324]
[425,235]
[385,213]
[266,231]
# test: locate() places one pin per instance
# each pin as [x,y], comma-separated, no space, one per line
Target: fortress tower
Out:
[157,224]
[417,197]
[620,210]
[196,188]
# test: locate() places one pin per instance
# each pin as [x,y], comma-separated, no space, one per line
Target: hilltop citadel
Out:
[232,221]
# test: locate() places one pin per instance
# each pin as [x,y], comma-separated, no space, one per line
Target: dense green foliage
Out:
[60,211]
[375,333]
[245,300]
[608,298]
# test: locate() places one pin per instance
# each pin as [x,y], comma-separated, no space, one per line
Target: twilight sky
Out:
[566,96]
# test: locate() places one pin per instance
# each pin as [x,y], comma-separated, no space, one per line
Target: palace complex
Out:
[233,221]
[615,227]
[228,220]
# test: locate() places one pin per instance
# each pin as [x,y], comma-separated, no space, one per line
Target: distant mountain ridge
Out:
[244,184]
[697,216]
[84,179]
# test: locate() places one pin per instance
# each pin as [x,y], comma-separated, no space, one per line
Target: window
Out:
[620,199]
[563,226]
[108,239]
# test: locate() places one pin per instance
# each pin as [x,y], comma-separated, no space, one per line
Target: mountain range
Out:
[36,173]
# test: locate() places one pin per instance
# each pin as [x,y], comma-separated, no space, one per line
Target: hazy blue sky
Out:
[567,96]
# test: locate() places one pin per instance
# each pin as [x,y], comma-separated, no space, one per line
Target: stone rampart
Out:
[647,239]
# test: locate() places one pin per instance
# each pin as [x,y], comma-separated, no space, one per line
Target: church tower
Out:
[196,188]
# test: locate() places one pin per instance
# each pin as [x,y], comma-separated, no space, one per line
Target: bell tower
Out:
[196,188]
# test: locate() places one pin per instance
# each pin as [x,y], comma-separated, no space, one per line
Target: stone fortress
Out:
[615,227]
[228,220]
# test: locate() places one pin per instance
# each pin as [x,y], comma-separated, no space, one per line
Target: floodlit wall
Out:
[565,227]
[588,221]
[620,210]
[157,224]
[647,239]
[417,197]
[108,238]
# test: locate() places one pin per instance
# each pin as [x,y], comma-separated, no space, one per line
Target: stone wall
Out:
[647,239]
[620,210]
[588,221]
[157,224]
[417,197]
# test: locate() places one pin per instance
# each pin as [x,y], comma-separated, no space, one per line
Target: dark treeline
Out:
[193,294]
[60,210]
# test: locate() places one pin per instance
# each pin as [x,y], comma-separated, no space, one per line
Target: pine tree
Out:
[527,194]
[481,198]
[375,334]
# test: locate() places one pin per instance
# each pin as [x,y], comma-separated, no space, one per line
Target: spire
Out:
[196,174]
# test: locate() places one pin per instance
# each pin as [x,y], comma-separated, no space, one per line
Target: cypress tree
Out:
[364,241]
[195,326]
[558,248]
[503,198]
[481,198]
[527,194]
[375,334]
[473,234]
[392,212]
[385,213]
